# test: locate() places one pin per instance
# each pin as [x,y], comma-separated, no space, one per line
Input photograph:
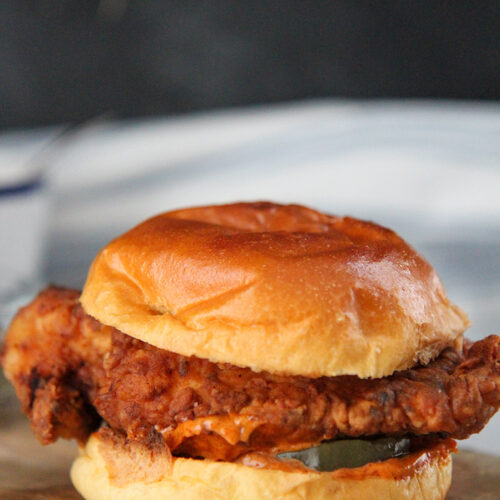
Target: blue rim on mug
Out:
[24,187]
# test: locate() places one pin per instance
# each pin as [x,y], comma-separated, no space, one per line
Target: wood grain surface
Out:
[29,471]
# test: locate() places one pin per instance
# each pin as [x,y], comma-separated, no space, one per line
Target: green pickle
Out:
[349,453]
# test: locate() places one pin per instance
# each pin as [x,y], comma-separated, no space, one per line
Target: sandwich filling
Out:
[73,375]
[338,454]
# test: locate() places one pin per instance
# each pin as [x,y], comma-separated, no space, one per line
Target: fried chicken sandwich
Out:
[254,351]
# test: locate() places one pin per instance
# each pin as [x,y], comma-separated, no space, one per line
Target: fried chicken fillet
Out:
[71,373]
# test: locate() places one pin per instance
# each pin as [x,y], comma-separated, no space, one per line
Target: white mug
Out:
[23,224]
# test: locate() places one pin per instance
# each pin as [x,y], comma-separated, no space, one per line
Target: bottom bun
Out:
[108,470]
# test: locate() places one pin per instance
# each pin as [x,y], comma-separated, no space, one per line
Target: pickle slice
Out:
[349,453]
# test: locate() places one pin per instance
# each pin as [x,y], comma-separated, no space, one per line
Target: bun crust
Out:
[423,475]
[280,288]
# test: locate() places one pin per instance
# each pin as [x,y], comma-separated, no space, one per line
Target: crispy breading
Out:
[53,355]
[220,411]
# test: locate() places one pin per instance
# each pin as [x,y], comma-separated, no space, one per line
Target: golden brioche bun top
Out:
[280,288]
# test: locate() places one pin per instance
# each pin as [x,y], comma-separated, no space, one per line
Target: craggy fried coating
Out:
[64,364]
[53,355]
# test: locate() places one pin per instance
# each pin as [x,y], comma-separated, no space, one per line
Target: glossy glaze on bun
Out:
[424,475]
[280,288]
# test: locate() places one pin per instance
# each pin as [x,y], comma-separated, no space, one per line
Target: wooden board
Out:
[29,471]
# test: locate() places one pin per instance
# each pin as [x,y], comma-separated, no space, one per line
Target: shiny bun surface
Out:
[281,288]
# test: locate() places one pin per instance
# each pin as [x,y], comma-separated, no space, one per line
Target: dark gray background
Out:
[68,60]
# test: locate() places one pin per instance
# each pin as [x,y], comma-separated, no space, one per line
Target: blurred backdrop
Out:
[114,110]
[65,60]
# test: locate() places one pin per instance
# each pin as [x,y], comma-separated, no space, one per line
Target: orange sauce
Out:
[399,468]
[394,468]
[232,428]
